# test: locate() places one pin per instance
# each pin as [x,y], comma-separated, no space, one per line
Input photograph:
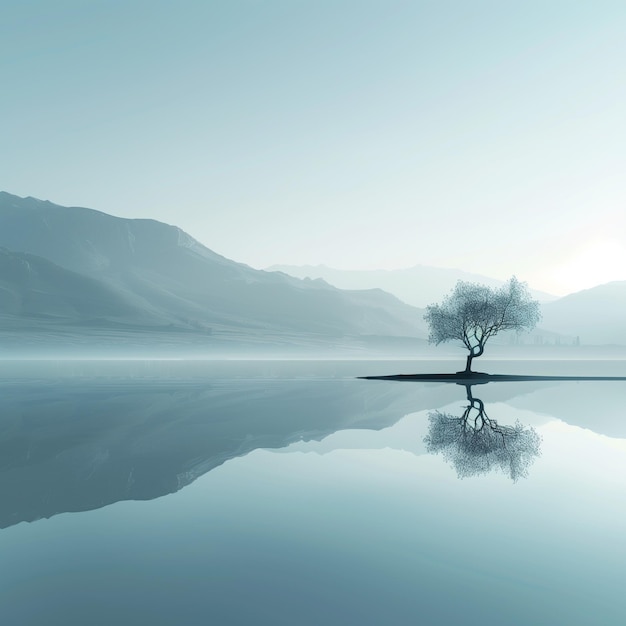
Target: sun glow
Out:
[595,263]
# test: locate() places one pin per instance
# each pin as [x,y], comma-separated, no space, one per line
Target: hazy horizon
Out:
[356,135]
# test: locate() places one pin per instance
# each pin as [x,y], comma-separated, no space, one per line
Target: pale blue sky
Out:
[489,136]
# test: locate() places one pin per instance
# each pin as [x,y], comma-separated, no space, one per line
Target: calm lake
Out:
[274,492]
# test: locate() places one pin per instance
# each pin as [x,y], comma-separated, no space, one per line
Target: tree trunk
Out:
[473,353]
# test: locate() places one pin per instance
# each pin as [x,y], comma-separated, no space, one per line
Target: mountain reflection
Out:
[79,445]
[476,444]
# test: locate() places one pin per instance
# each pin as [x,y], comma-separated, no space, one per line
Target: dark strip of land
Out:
[478,378]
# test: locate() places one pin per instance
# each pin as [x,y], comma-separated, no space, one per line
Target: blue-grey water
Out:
[293,493]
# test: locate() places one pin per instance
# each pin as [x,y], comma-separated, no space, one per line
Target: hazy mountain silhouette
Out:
[596,316]
[91,268]
[168,278]
[33,286]
[419,286]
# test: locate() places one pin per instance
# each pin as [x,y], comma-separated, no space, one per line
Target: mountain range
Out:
[75,276]
[595,316]
[71,264]
[419,286]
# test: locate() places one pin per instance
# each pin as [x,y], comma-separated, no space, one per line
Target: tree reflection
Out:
[476,444]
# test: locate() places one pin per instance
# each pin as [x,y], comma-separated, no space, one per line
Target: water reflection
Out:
[72,444]
[79,445]
[476,444]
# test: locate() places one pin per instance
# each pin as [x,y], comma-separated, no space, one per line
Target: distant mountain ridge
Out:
[418,286]
[595,316]
[76,269]
[159,275]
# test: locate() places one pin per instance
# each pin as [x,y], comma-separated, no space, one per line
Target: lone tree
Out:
[473,313]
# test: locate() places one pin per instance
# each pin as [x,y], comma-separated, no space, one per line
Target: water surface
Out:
[293,493]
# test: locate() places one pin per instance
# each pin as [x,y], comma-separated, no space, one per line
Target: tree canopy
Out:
[473,313]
